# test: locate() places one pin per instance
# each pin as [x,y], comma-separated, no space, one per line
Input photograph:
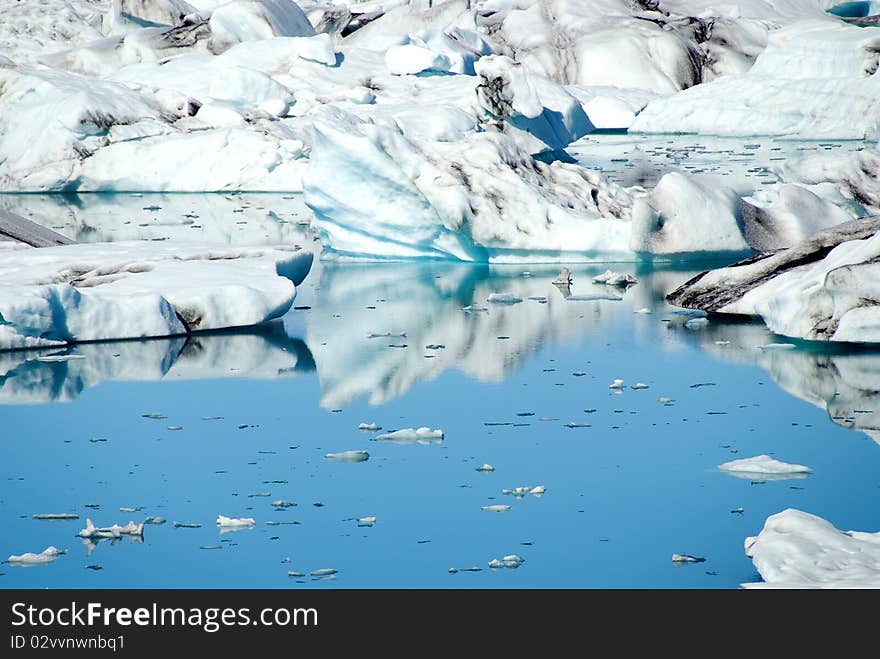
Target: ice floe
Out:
[496,508]
[511,561]
[798,550]
[764,466]
[57,295]
[235,522]
[48,555]
[422,435]
[114,531]
[612,278]
[349,456]
[687,558]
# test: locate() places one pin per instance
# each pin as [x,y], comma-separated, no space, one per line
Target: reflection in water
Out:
[843,381]
[37,376]
[234,219]
[428,302]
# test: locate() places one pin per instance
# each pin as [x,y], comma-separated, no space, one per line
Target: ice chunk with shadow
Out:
[349,456]
[423,435]
[48,555]
[765,468]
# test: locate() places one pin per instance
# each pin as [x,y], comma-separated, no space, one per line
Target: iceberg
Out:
[114,531]
[798,550]
[423,435]
[822,289]
[764,466]
[48,555]
[235,522]
[58,295]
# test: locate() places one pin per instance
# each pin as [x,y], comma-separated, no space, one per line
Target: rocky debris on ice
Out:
[48,555]
[422,435]
[235,522]
[823,289]
[58,295]
[115,531]
[764,466]
[798,550]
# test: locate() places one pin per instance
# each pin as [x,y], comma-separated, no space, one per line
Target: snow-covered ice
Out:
[421,435]
[764,466]
[56,295]
[235,522]
[798,550]
[48,555]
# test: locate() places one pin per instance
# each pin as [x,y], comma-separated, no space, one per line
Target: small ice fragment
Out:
[525,273]
[513,560]
[496,508]
[211,547]
[366,521]
[422,435]
[348,456]
[615,279]
[259,494]
[642,310]
[495,563]
[737,511]
[281,503]
[185,525]
[579,374]
[538,490]
[154,520]
[503,298]
[211,418]
[55,516]
[617,384]
[154,415]
[577,424]
[486,467]
[686,558]
[292,573]
[722,343]
[473,309]
[563,278]
[50,359]
[129,510]
[379,335]
[323,572]
[639,385]
[234,522]
[435,346]
[777,346]
[175,427]
[765,466]
[538,298]
[452,570]
[663,400]
[115,531]
[48,555]
[696,323]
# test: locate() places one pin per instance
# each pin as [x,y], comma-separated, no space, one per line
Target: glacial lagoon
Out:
[238,423]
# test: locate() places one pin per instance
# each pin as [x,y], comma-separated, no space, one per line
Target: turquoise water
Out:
[511,387]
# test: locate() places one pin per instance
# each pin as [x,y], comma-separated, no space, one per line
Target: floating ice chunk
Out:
[175,427]
[612,278]
[538,490]
[617,384]
[366,521]
[496,508]
[663,400]
[235,522]
[737,511]
[154,520]
[379,335]
[48,555]
[55,516]
[324,572]
[777,346]
[349,456]
[473,309]
[639,385]
[293,573]
[593,297]
[563,278]
[503,298]
[513,560]
[722,343]
[281,503]
[799,550]
[115,531]
[495,563]
[696,323]
[687,558]
[423,435]
[642,310]
[154,415]
[765,466]
[185,525]
[129,509]
[486,467]
[210,546]
[368,426]
[50,359]
[577,424]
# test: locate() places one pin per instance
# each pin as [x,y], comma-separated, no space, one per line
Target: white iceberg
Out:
[799,550]
[496,508]
[349,456]
[57,295]
[29,558]
[115,531]
[235,522]
[422,435]
[612,278]
[763,466]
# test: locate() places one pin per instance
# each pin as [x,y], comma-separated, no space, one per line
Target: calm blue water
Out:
[622,495]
